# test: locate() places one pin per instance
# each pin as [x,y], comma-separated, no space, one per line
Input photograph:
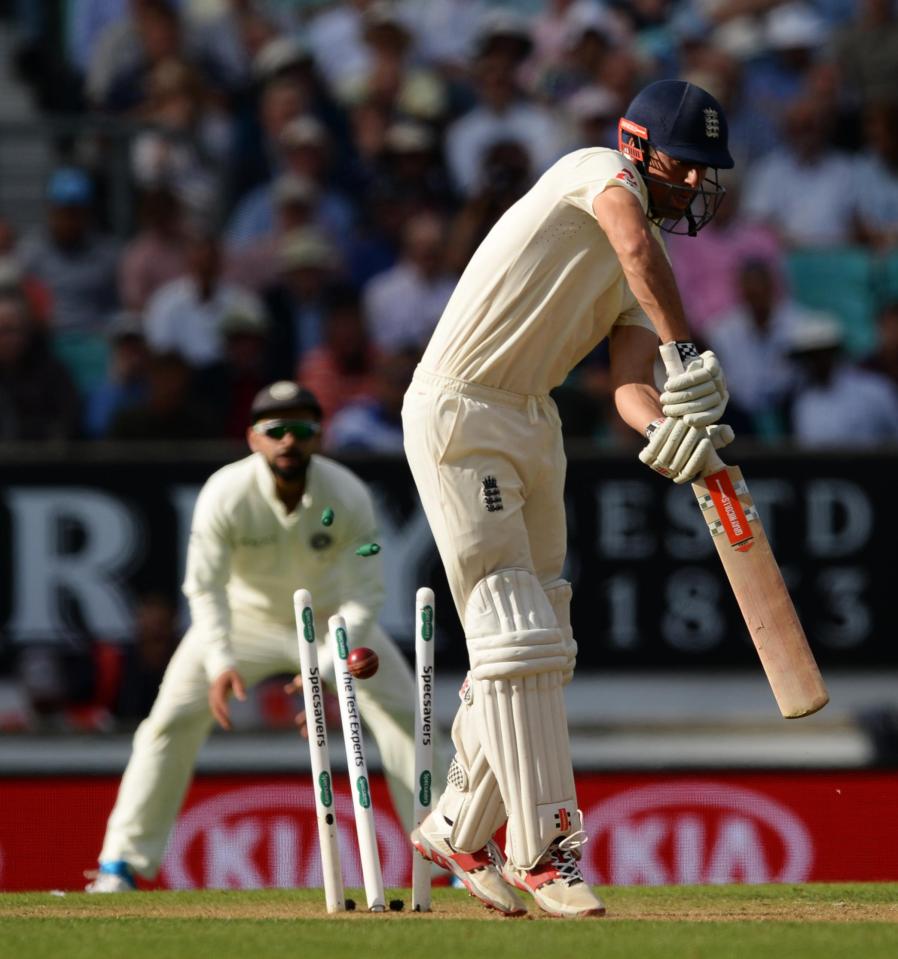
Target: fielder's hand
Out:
[679,451]
[698,394]
[226,683]
[331,707]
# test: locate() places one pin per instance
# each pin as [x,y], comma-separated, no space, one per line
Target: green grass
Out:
[698,922]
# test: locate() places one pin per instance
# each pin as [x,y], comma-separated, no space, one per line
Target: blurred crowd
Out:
[307,180]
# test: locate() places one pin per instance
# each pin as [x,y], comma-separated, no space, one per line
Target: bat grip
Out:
[673,364]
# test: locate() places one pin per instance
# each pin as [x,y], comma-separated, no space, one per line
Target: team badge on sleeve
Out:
[626,177]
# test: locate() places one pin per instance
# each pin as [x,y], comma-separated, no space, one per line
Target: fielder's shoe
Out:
[479,872]
[112,876]
[556,882]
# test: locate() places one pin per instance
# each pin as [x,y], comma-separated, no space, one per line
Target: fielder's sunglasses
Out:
[278,429]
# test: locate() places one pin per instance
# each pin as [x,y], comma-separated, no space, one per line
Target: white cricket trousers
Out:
[167,742]
[489,466]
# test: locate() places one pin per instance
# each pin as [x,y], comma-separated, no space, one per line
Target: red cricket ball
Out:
[362,662]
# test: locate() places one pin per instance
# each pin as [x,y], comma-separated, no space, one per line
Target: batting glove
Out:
[679,451]
[698,394]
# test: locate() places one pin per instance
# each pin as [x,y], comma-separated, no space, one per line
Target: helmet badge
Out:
[712,123]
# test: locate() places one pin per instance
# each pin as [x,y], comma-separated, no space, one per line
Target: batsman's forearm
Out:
[637,404]
[653,284]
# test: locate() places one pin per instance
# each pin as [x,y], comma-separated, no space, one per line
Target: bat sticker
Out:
[729,510]
[716,526]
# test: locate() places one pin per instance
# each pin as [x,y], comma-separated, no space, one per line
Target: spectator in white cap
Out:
[392,76]
[235,32]
[185,137]
[411,162]
[309,267]
[255,261]
[288,59]
[336,38]
[303,152]
[504,30]
[185,315]
[795,37]
[594,111]
[309,150]
[287,86]
[838,403]
[160,33]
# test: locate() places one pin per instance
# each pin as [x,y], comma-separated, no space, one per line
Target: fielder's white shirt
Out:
[247,555]
[544,287]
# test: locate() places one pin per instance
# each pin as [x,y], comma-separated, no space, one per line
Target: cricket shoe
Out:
[114,876]
[556,882]
[479,872]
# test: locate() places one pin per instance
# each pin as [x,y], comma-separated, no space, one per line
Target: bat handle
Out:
[673,364]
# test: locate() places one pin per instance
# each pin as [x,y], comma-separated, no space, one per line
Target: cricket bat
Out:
[756,581]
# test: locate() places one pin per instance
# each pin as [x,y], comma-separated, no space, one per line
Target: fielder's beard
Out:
[294,473]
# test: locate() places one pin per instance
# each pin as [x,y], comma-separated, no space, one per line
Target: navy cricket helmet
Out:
[687,124]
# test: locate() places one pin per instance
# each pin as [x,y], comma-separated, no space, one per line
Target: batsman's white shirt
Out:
[247,555]
[541,291]
[544,287]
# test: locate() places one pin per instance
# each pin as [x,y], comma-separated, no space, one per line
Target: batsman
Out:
[577,259]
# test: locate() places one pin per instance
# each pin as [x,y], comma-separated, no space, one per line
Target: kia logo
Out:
[694,832]
[266,836]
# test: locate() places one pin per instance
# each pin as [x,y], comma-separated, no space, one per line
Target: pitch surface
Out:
[710,922]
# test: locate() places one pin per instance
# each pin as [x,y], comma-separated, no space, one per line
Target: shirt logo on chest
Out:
[491,494]
[258,540]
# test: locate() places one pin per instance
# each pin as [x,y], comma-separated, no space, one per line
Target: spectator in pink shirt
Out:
[157,253]
[343,369]
[707,270]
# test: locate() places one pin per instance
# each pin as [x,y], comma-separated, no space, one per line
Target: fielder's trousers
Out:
[167,742]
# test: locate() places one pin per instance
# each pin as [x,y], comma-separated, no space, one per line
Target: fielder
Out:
[577,259]
[257,536]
